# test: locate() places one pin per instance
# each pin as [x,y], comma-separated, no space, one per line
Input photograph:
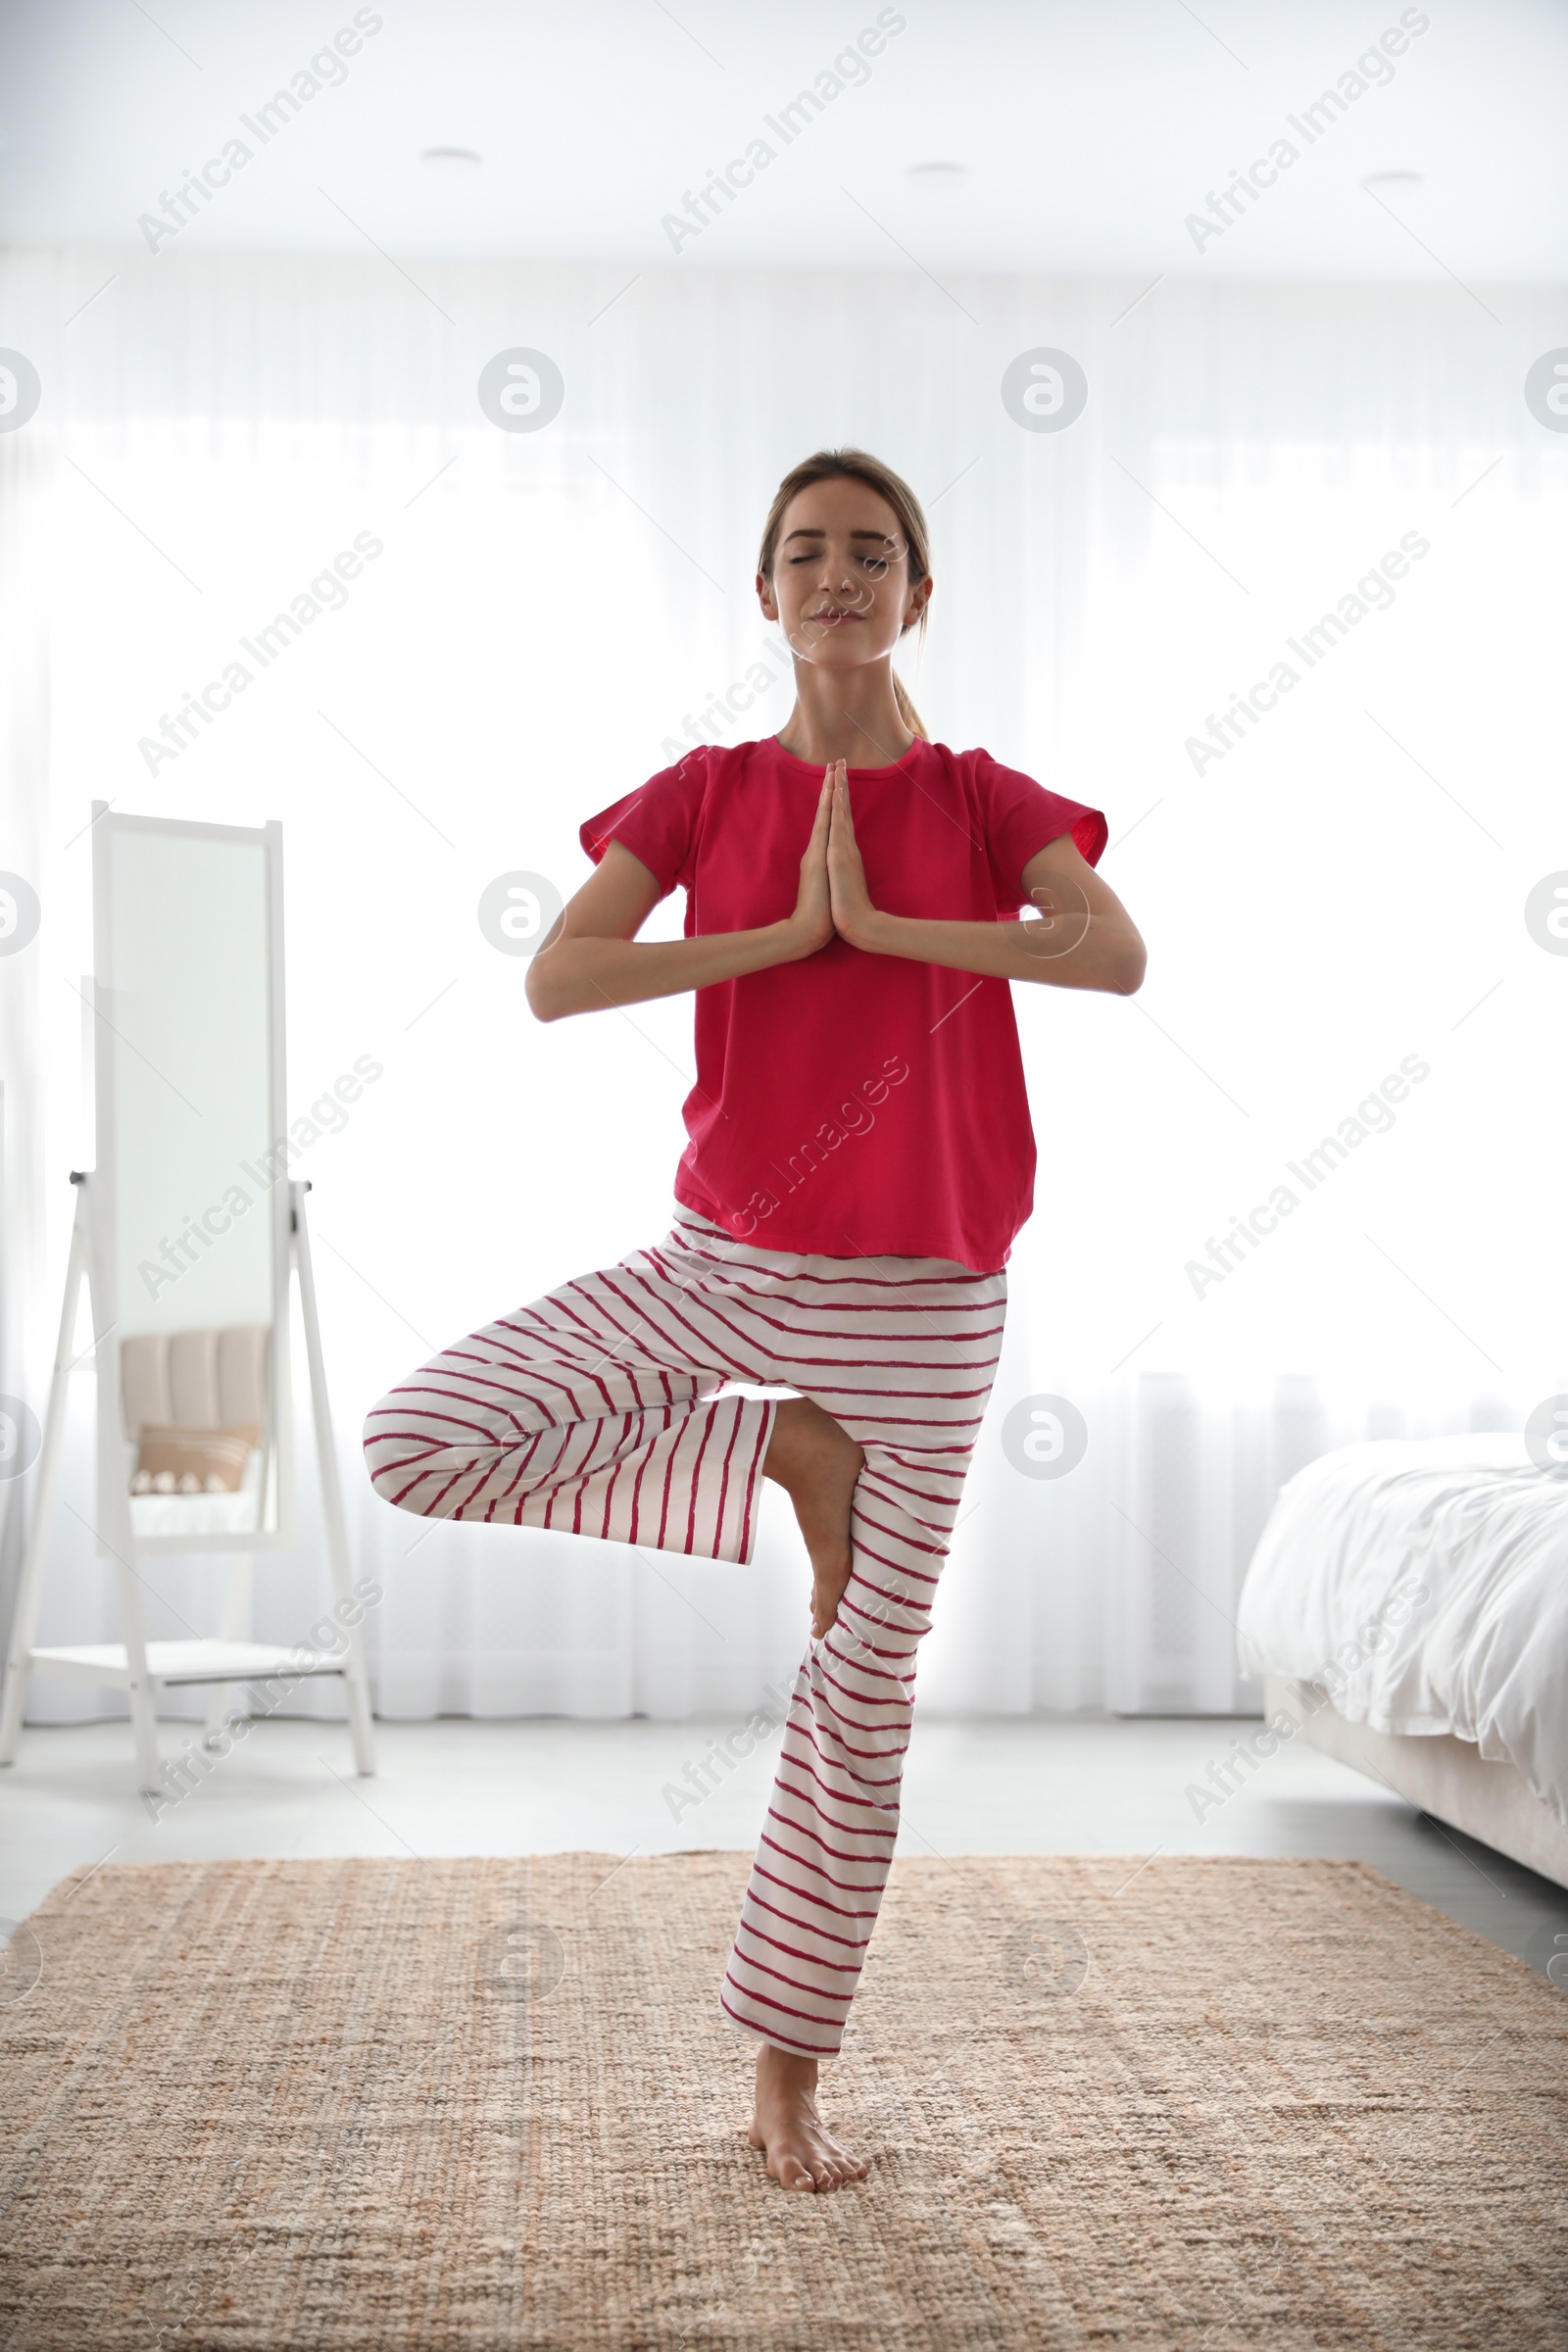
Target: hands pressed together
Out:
[833,898]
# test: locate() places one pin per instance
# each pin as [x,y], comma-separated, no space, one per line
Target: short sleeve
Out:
[658,823]
[1020,816]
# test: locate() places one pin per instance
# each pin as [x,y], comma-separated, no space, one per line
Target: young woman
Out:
[861,1158]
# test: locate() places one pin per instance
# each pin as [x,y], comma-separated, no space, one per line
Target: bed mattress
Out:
[1424,1584]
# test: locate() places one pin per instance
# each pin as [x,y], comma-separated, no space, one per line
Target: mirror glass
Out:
[186,1128]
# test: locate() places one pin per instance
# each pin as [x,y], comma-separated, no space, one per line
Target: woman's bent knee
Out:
[394,1456]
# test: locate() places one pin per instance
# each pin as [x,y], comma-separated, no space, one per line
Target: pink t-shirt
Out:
[853,1104]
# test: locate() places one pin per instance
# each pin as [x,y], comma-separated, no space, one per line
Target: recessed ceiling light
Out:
[1393,180]
[453,163]
[938,175]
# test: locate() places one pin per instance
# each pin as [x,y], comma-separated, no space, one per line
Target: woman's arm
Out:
[1080,936]
[593,959]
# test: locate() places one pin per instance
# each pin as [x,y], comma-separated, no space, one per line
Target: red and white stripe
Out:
[598,1412]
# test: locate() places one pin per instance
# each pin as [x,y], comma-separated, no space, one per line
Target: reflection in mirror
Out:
[186,1117]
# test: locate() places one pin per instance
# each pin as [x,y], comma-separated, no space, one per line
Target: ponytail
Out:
[907,710]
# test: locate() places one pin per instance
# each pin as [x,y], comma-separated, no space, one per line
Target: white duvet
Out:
[1425,1584]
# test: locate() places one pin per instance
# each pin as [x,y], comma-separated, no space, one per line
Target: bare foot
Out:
[816,1462]
[800,2152]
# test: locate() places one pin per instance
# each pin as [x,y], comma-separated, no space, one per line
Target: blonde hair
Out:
[857,465]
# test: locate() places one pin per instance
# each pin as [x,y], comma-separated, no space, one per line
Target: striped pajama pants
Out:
[605,1409]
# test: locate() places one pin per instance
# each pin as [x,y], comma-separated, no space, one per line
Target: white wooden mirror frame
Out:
[133,1664]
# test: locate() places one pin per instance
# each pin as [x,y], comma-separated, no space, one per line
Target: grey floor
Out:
[976,1785]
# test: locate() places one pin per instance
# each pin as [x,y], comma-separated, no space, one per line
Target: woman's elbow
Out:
[546,983]
[1131,964]
[546,1001]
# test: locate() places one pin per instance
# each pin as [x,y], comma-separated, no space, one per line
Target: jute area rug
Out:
[1204,2104]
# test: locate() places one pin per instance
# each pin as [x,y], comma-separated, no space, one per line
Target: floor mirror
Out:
[190,1234]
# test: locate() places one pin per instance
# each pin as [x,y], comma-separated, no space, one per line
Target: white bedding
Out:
[1425,1582]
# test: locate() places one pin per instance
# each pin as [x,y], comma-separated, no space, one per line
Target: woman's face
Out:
[839,589]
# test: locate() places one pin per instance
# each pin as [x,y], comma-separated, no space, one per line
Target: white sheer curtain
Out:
[1340,894]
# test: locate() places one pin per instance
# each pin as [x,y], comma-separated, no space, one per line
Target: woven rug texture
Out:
[1194,2105]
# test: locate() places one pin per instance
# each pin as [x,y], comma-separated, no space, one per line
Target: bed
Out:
[1408,1610]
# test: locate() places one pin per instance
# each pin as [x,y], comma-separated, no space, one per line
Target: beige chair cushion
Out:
[170,1461]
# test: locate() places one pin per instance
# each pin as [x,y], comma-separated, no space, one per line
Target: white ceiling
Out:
[1090,130]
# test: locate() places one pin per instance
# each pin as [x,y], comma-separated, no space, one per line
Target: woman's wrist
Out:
[873,932]
[789,941]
